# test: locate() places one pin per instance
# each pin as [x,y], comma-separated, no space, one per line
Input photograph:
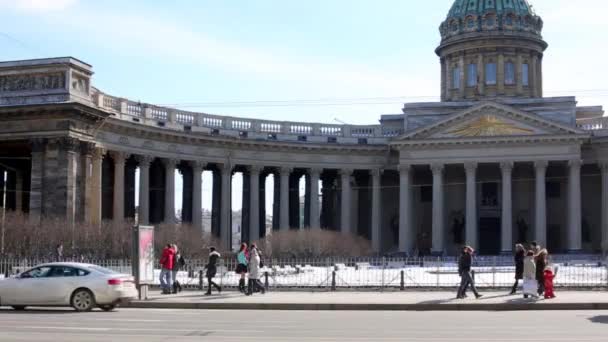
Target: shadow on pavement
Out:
[599,319]
[39,311]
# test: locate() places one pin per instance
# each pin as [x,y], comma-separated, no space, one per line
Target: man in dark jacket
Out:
[212,270]
[464,265]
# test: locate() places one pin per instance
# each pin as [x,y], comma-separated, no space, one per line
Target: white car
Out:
[81,286]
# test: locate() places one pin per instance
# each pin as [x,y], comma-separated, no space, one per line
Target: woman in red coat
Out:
[548,279]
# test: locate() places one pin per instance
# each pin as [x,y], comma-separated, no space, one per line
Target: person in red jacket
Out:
[167,261]
[548,278]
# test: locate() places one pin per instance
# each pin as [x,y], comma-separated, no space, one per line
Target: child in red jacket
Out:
[548,278]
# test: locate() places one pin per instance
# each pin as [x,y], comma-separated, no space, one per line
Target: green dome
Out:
[467,16]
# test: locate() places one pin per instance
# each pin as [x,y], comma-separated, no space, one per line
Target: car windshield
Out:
[102,269]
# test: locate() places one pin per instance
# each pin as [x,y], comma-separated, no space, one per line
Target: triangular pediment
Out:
[490,120]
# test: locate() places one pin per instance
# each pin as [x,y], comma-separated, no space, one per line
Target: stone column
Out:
[533,76]
[226,211]
[500,74]
[19,191]
[506,169]
[197,194]
[284,204]
[443,79]
[118,210]
[604,210]
[406,236]
[95,191]
[376,210]
[36,178]
[448,79]
[438,215]
[254,202]
[575,241]
[540,219]
[315,213]
[86,207]
[463,81]
[471,204]
[144,189]
[481,80]
[346,201]
[170,164]
[520,75]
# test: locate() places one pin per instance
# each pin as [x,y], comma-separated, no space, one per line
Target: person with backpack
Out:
[179,263]
[212,270]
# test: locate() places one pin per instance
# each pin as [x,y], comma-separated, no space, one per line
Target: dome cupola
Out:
[491,48]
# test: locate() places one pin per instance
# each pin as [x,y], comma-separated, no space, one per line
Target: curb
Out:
[368,307]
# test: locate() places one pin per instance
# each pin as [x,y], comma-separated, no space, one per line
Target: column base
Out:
[506,253]
[437,253]
[575,252]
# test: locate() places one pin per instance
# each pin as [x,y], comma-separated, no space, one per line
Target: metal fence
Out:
[583,272]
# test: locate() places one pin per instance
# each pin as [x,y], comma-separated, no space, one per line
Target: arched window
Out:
[491,73]
[490,21]
[509,73]
[454,26]
[471,23]
[471,75]
[509,21]
[456,77]
[525,74]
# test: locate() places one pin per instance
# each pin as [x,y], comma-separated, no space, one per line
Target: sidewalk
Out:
[360,301]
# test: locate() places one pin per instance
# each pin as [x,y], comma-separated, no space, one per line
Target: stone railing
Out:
[594,124]
[243,128]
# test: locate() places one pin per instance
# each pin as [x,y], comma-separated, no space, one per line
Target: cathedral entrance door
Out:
[489,236]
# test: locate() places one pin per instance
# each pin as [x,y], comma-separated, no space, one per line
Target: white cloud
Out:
[37,5]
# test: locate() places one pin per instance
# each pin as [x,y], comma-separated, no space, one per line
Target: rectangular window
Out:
[509,73]
[491,74]
[525,74]
[471,75]
[456,78]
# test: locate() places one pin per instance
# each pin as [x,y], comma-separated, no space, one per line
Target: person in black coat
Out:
[212,270]
[464,265]
[519,266]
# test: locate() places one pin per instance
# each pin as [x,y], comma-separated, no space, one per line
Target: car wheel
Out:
[83,300]
[19,307]
[107,308]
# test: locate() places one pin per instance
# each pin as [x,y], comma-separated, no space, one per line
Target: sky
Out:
[328,61]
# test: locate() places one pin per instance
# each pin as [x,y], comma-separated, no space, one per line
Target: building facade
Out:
[492,164]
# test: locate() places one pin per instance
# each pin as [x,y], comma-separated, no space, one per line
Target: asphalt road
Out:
[197,325]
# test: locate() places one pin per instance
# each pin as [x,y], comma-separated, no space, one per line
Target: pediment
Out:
[490,120]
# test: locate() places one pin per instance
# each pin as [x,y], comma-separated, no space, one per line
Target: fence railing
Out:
[360,273]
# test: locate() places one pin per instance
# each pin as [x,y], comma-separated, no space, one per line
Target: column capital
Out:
[315,171]
[285,170]
[225,168]
[144,160]
[541,164]
[119,156]
[38,145]
[98,153]
[437,168]
[87,148]
[346,172]
[506,166]
[603,165]
[170,162]
[577,163]
[198,165]
[470,167]
[255,169]
[404,168]
[69,144]
[376,172]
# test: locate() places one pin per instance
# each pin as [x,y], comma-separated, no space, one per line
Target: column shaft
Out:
[315,213]
[37,173]
[471,204]
[284,204]
[144,189]
[406,236]
[226,216]
[19,191]
[520,75]
[604,208]
[575,242]
[197,194]
[118,210]
[540,227]
[533,77]
[438,215]
[96,185]
[376,210]
[500,75]
[346,202]
[507,207]
[254,203]
[170,164]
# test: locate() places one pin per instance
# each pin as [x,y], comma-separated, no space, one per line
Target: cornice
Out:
[485,141]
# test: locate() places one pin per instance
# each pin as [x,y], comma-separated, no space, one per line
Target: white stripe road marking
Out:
[138,329]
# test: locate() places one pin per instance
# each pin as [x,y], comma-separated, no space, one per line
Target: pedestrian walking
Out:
[466,261]
[178,264]
[59,253]
[242,259]
[212,270]
[541,263]
[166,273]
[254,272]
[530,283]
[460,270]
[520,254]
